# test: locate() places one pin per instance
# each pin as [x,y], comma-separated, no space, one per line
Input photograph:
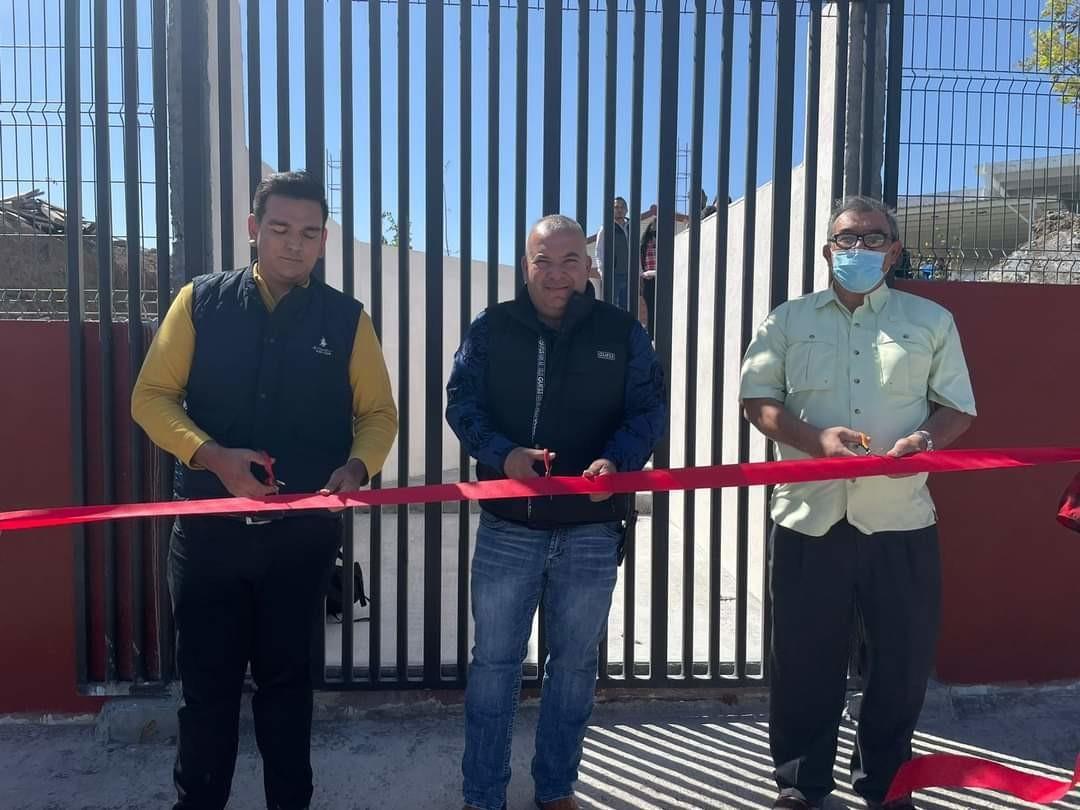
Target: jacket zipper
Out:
[541,375]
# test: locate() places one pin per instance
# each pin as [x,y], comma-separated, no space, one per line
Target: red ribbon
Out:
[715,477]
[957,771]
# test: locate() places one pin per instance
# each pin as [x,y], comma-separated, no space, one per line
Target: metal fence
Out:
[84,141]
[691,608]
[990,149]
[36,304]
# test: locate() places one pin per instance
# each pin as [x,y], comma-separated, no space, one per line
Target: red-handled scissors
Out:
[268,465]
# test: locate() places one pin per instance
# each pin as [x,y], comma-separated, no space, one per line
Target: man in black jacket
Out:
[551,381]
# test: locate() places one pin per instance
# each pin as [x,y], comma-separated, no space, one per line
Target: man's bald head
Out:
[555,265]
[553,224]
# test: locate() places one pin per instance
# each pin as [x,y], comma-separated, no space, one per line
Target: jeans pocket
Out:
[492,522]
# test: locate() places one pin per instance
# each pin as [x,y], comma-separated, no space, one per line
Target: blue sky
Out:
[949,125]
[507,91]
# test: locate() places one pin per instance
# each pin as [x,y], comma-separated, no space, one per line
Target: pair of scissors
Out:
[268,465]
[864,443]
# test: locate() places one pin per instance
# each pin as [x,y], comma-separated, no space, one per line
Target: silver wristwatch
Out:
[926,438]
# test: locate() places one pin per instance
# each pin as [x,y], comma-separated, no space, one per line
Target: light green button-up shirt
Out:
[875,370]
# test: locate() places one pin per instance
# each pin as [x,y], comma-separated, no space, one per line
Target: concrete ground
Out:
[639,755]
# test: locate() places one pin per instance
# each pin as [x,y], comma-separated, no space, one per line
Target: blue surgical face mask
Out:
[858,270]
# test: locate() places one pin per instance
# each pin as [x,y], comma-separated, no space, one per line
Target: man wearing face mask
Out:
[856,368]
[551,382]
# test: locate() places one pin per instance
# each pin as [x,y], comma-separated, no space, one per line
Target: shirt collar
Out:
[876,299]
[264,289]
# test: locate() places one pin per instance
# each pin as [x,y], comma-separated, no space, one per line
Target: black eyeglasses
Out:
[872,240]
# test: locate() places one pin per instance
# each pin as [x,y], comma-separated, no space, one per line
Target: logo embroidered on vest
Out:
[323,349]
[602,355]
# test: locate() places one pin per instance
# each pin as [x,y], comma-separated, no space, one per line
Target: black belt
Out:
[264,518]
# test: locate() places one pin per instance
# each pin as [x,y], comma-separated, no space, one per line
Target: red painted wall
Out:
[37,610]
[37,573]
[1012,574]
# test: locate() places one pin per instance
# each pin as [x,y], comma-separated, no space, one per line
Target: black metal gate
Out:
[691,607]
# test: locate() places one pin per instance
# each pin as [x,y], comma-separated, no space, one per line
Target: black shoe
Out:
[899,804]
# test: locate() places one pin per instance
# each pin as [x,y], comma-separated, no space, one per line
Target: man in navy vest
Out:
[260,381]
[553,375]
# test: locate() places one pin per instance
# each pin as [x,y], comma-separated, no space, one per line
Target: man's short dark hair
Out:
[864,205]
[621,199]
[295,185]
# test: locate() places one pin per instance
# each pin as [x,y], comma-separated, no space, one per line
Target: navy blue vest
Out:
[561,390]
[276,381]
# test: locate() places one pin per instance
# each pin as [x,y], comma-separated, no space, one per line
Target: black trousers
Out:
[892,581]
[247,594]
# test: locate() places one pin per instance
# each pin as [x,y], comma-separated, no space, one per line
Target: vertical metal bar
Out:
[314,90]
[315,99]
[404,249]
[783,129]
[375,160]
[753,102]
[894,95]
[315,159]
[840,99]
[665,258]
[867,142]
[602,668]
[254,78]
[810,147]
[553,32]
[76,354]
[723,184]
[611,57]
[225,134]
[164,296]
[283,130]
[521,137]
[922,158]
[494,34]
[465,317]
[3,169]
[582,208]
[348,286]
[135,324]
[433,434]
[50,86]
[195,138]
[636,114]
[780,236]
[15,127]
[520,201]
[104,234]
[697,136]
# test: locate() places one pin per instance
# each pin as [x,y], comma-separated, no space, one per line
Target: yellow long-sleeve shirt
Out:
[157,402]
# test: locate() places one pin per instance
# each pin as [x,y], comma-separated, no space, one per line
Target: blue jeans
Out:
[573,569]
